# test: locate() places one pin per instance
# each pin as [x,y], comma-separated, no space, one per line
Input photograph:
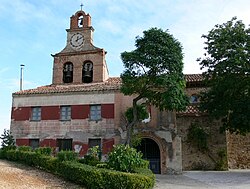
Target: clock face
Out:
[76,40]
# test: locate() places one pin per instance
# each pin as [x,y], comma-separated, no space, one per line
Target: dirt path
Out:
[17,176]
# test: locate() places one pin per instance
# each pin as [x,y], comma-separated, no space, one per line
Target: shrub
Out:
[24,148]
[44,150]
[125,158]
[85,175]
[222,164]
[92,158]
[67,156]
[198,136]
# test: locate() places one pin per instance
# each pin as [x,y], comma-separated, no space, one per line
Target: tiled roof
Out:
[194,77]
[113,83]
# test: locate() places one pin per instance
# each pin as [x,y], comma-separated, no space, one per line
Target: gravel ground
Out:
[17,176]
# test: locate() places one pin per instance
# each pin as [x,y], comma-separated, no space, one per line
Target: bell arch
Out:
[87,72]
[68,72]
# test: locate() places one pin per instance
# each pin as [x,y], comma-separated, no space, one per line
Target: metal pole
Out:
[21,77]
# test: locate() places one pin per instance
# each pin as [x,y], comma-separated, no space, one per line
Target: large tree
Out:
[153,72]
[227,65]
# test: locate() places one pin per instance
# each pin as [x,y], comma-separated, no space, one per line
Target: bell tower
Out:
[80,61]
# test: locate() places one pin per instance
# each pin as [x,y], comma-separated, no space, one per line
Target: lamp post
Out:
[21,77]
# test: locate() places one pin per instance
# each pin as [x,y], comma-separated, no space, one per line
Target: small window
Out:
[34,143]
[80,21]
[65,113]
[68,73]
[95,112]
[64,144]
[87,72]
[36,114]
[193,98]
[96,142]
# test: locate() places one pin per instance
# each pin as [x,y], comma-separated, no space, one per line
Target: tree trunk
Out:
[130,127]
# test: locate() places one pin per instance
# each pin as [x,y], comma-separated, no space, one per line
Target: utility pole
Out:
[21,77]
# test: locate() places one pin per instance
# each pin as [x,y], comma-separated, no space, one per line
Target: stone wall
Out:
[238,151]
[192,158]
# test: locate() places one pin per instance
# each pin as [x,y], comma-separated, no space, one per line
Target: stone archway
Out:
[156,156]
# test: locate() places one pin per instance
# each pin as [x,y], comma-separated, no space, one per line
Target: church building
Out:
[83,106]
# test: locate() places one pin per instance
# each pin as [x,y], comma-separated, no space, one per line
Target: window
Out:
[68,73]
[95,112]
[193,98]
[34,143]
[87,72]
[36,114]
[96,142]
[80,21]
[64,144]
[65,113]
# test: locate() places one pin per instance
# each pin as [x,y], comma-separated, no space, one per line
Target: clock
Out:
[76,40]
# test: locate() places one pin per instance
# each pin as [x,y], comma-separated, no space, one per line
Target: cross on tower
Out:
[81,6]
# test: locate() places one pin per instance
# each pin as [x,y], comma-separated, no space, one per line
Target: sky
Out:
[30,31]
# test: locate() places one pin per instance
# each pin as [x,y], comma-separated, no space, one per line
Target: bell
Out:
[81,22]
[87,74]
[68,74]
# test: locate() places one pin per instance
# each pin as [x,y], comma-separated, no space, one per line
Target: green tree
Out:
[153,72]
[227,64]
[7,139]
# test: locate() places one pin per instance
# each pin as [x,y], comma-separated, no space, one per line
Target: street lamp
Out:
[21,77]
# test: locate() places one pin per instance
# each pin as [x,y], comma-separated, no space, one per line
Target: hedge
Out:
[85,175]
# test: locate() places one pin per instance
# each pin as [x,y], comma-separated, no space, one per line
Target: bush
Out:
[89,160]
[95,178]
[125,158]
[198,136]
[85,175]
[24,148]
[44,150]
[67,156]
[93,157]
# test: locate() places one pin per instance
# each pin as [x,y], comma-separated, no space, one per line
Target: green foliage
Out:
[198,136]
[124,158]
[222,164]
[141,113]
[44,150]
[7,139]
[153,71]
[85,175]
[228,75]
[67,156]
[93,157]
[24,148]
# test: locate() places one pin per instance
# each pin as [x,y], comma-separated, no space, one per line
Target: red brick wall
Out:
[80,111]
[50,113]
[108,111]
[107,145]
[22,142]
[48,143]
[21,113]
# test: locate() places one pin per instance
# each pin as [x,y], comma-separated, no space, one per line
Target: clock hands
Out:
[78,38]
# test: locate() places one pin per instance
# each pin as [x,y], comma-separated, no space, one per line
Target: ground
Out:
[17,176]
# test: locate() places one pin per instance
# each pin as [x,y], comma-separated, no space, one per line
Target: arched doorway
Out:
[151,152]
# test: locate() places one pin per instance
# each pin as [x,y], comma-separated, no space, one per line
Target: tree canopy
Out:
[153,72]
[227,64]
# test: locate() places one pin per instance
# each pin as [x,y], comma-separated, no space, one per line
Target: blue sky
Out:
[30,31]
